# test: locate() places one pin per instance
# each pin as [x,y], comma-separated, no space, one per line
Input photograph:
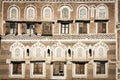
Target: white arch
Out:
[32,7]
[98,53]
[102,6]
[82,6]
[13,47]
[9,14]
[51,11]
[65,7]
[35,47]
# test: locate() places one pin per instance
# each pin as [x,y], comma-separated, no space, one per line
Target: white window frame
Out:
[92,11]
[88,28]
[100,75]
[106,11]
[17,12]
[79,75]
[14,54]
[86,10]
[69,12]
[51,13]
[59,77]
[83,53]
[97,56]
[37,75]
[106,28]
[14,75]
[62,51]
[34,12]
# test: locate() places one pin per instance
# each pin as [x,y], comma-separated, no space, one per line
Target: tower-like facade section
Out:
[58,39]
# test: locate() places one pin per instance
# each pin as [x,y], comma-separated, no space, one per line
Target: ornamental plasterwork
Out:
[101,44]
[16,44]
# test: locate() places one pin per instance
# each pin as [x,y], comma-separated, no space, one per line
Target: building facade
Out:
[59,39]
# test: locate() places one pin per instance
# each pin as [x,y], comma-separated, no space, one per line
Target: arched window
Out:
[58,52]
[100,50]
[79,52]
[47,13]
[83,13]
[38,52]
[13,12]
[30,12]
[102,12]
[17,52]
[65,13]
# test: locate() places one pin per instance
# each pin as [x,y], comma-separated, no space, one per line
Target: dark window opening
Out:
[47,29]
[38,68]
[80,68]
[69,52]
[17,68]
[48,51]
[82,28]
[100,68]
[28,52]
[58,69]
[90,52]
[30,29]
[101,27]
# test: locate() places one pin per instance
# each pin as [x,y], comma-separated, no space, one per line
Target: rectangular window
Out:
[100,68]
[17,68]
[13,28]
[58,69]
[80,68]
[30,29]
[101,27]
[38,68]
[47,28]
[65,28]
[82,28]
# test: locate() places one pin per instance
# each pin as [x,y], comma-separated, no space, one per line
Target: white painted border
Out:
[16,76]
[59,77]
[100,75]
[37,76]
[79,75]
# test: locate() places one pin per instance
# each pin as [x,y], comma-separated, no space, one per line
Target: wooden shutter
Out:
[16,28]
[17,68]
[80,27]
[6,28]
[104,27]
[24,28]
[84,27]
[99,27]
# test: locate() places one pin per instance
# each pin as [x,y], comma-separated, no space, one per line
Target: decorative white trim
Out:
[92,10]
[26,12]
[106,10]
[82,6]
[69,11]
[100,75]
[14,75]
[37,75]
[102,46]
[33,50]
[79,75]
[59,77]
[77,47]
[13,47]
[17,12]
[63,49]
